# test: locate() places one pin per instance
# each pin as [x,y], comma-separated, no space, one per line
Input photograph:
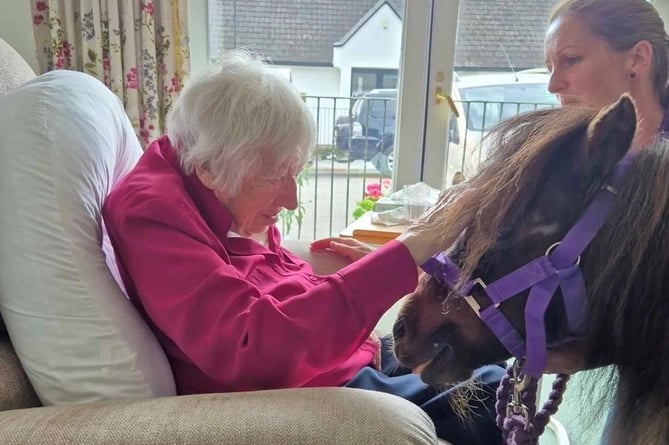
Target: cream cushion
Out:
[66,141]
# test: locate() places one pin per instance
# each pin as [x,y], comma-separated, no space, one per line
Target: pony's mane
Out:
[501,189]
[629,259]
[627,280]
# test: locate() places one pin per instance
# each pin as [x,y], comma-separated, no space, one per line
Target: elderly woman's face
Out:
[584,68]
[259,201]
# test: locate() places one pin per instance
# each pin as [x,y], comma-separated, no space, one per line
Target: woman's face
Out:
[584,68]
[260,198]
[259,201]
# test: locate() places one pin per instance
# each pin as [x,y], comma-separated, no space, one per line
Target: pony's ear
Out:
[609,136]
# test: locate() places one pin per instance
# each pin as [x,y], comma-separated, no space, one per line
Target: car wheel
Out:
[388,156]
[382,150]
[390,161]
[384,159]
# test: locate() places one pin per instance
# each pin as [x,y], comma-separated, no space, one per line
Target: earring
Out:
[632,75]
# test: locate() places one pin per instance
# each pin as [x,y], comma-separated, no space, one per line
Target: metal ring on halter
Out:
[554,245]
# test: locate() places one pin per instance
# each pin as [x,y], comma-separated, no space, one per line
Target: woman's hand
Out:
[347,247]
[436,229]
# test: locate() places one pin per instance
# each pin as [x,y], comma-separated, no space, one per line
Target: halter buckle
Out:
[471,301]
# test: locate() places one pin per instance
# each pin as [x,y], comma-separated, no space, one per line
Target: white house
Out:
[342,48]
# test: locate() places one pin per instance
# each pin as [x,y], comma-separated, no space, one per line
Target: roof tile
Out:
[304,31]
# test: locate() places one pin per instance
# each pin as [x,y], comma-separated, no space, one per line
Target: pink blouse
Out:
[232,314]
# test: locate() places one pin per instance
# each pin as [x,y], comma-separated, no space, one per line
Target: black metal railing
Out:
[354,148]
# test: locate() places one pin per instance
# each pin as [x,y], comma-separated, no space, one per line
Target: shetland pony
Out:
[544,171]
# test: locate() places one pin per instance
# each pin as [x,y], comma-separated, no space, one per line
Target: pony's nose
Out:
[399,328]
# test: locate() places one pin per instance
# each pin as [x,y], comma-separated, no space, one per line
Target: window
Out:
[486,106]
[364,80]
[345,48]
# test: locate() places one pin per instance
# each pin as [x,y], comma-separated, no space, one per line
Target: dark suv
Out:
[369,133]
[482,101]
[370,129]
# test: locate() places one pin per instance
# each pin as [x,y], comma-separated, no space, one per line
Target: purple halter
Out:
[558,267]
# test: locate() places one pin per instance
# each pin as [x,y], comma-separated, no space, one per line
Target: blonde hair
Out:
[239,119]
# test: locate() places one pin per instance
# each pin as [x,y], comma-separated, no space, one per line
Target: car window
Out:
[382,108]
[377,113]
[486,106]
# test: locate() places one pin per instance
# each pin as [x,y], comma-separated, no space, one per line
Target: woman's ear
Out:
[640,58]
[205,177]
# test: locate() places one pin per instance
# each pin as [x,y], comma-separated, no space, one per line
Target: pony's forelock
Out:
[504,185]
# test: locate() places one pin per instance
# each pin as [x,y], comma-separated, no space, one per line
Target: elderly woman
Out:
[193,226]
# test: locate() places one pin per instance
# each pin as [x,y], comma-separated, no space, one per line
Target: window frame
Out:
[428,53]
[379,74]
[427,64]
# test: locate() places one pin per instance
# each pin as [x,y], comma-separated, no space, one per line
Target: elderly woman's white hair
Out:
[239,120]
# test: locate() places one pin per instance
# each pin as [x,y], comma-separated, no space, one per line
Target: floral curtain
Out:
[139,49]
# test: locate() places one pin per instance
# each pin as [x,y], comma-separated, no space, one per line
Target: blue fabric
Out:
[397,380]
[607,427]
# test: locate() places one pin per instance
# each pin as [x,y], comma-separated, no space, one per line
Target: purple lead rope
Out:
[515,428]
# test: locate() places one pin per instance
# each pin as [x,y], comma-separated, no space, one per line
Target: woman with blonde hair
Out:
[596,50]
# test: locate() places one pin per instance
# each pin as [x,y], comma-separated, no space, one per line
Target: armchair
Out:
[81,413]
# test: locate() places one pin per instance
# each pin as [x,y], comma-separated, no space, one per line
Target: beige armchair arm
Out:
[296,416]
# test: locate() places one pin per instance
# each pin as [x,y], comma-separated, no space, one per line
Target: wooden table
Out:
[363,230]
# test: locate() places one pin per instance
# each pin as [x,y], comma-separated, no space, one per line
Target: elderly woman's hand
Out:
[347,247]
[438,228]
